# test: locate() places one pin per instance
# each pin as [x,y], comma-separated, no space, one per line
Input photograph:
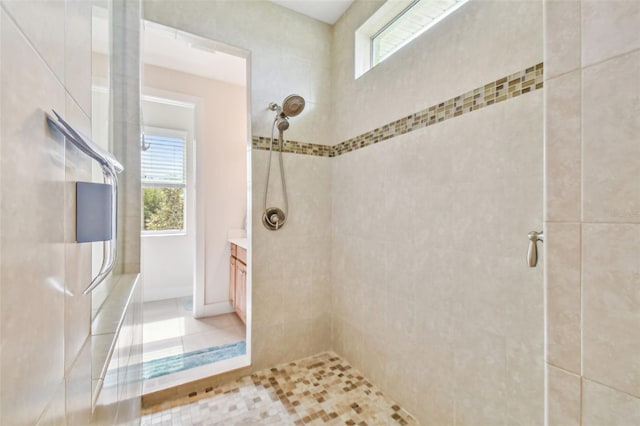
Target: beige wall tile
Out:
[299,338]
[525,380]
[399,86]
[1,181]
[610,193]
[610,276]
[437,276]
[611,148]
[77,308]
[480,376]
[44,259]
[435,388]
[562,254]
[401,370]
[347,341]
[32,264]
[78,388]
[54,414]
[563,398]
[77,60]
[609,28]
[43,23]
[401,164]
[563,147]
[268,346]
[374,357]
[562,37]
[291,288]
[602,405]
[497,166]
[268,296]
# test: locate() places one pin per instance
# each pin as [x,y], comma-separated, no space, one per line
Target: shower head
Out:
[282,123]
[292,105]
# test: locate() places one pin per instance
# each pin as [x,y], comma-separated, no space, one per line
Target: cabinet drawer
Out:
[234,250]
[241,254]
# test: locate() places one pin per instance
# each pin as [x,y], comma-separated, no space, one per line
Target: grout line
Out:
[581,400]
[581,220]
[44,61]
[584,378]
[602,61]
[563,369]
[581,206]
[562,74]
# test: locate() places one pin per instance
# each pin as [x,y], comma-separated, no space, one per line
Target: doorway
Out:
[195,174]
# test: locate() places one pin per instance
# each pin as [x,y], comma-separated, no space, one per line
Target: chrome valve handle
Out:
[532,254]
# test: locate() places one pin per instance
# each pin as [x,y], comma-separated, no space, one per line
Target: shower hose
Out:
[275,222]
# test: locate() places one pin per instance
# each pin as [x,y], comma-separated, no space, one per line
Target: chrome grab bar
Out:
[110,167]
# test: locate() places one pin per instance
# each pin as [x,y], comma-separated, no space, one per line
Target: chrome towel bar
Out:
[110,167]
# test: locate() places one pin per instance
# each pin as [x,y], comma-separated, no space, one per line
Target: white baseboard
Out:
[212,309]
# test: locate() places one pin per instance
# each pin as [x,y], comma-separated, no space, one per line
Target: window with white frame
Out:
[164,180]
[394,25]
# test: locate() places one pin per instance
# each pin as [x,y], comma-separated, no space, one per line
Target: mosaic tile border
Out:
[491,93]
[505,88]
[293,147]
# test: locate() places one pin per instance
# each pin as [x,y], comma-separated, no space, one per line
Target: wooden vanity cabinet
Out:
[238,281]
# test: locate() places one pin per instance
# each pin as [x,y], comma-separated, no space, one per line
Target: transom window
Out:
[164,180]
[395,25]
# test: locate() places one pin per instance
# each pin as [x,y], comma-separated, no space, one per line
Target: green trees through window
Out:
[164,180]
[163,209]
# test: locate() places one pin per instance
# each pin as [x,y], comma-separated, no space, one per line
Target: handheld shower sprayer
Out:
[282,123]
[274,218]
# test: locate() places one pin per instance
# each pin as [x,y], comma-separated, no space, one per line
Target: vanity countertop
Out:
[240,242]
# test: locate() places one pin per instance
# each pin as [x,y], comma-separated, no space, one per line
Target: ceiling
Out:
[323,10]
[169,48]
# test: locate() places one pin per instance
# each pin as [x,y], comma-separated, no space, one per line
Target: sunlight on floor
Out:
[163,329]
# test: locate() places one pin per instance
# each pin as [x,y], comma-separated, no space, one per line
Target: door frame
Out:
[200,309]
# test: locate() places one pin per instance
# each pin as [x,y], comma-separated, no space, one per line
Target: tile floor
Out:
[320,390]
[170,329]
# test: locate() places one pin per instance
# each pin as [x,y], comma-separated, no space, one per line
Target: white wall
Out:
[168,260]
[221,145]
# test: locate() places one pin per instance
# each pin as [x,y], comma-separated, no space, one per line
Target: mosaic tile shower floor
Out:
[319,390]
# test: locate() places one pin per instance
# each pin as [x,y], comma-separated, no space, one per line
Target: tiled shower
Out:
[412,190]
